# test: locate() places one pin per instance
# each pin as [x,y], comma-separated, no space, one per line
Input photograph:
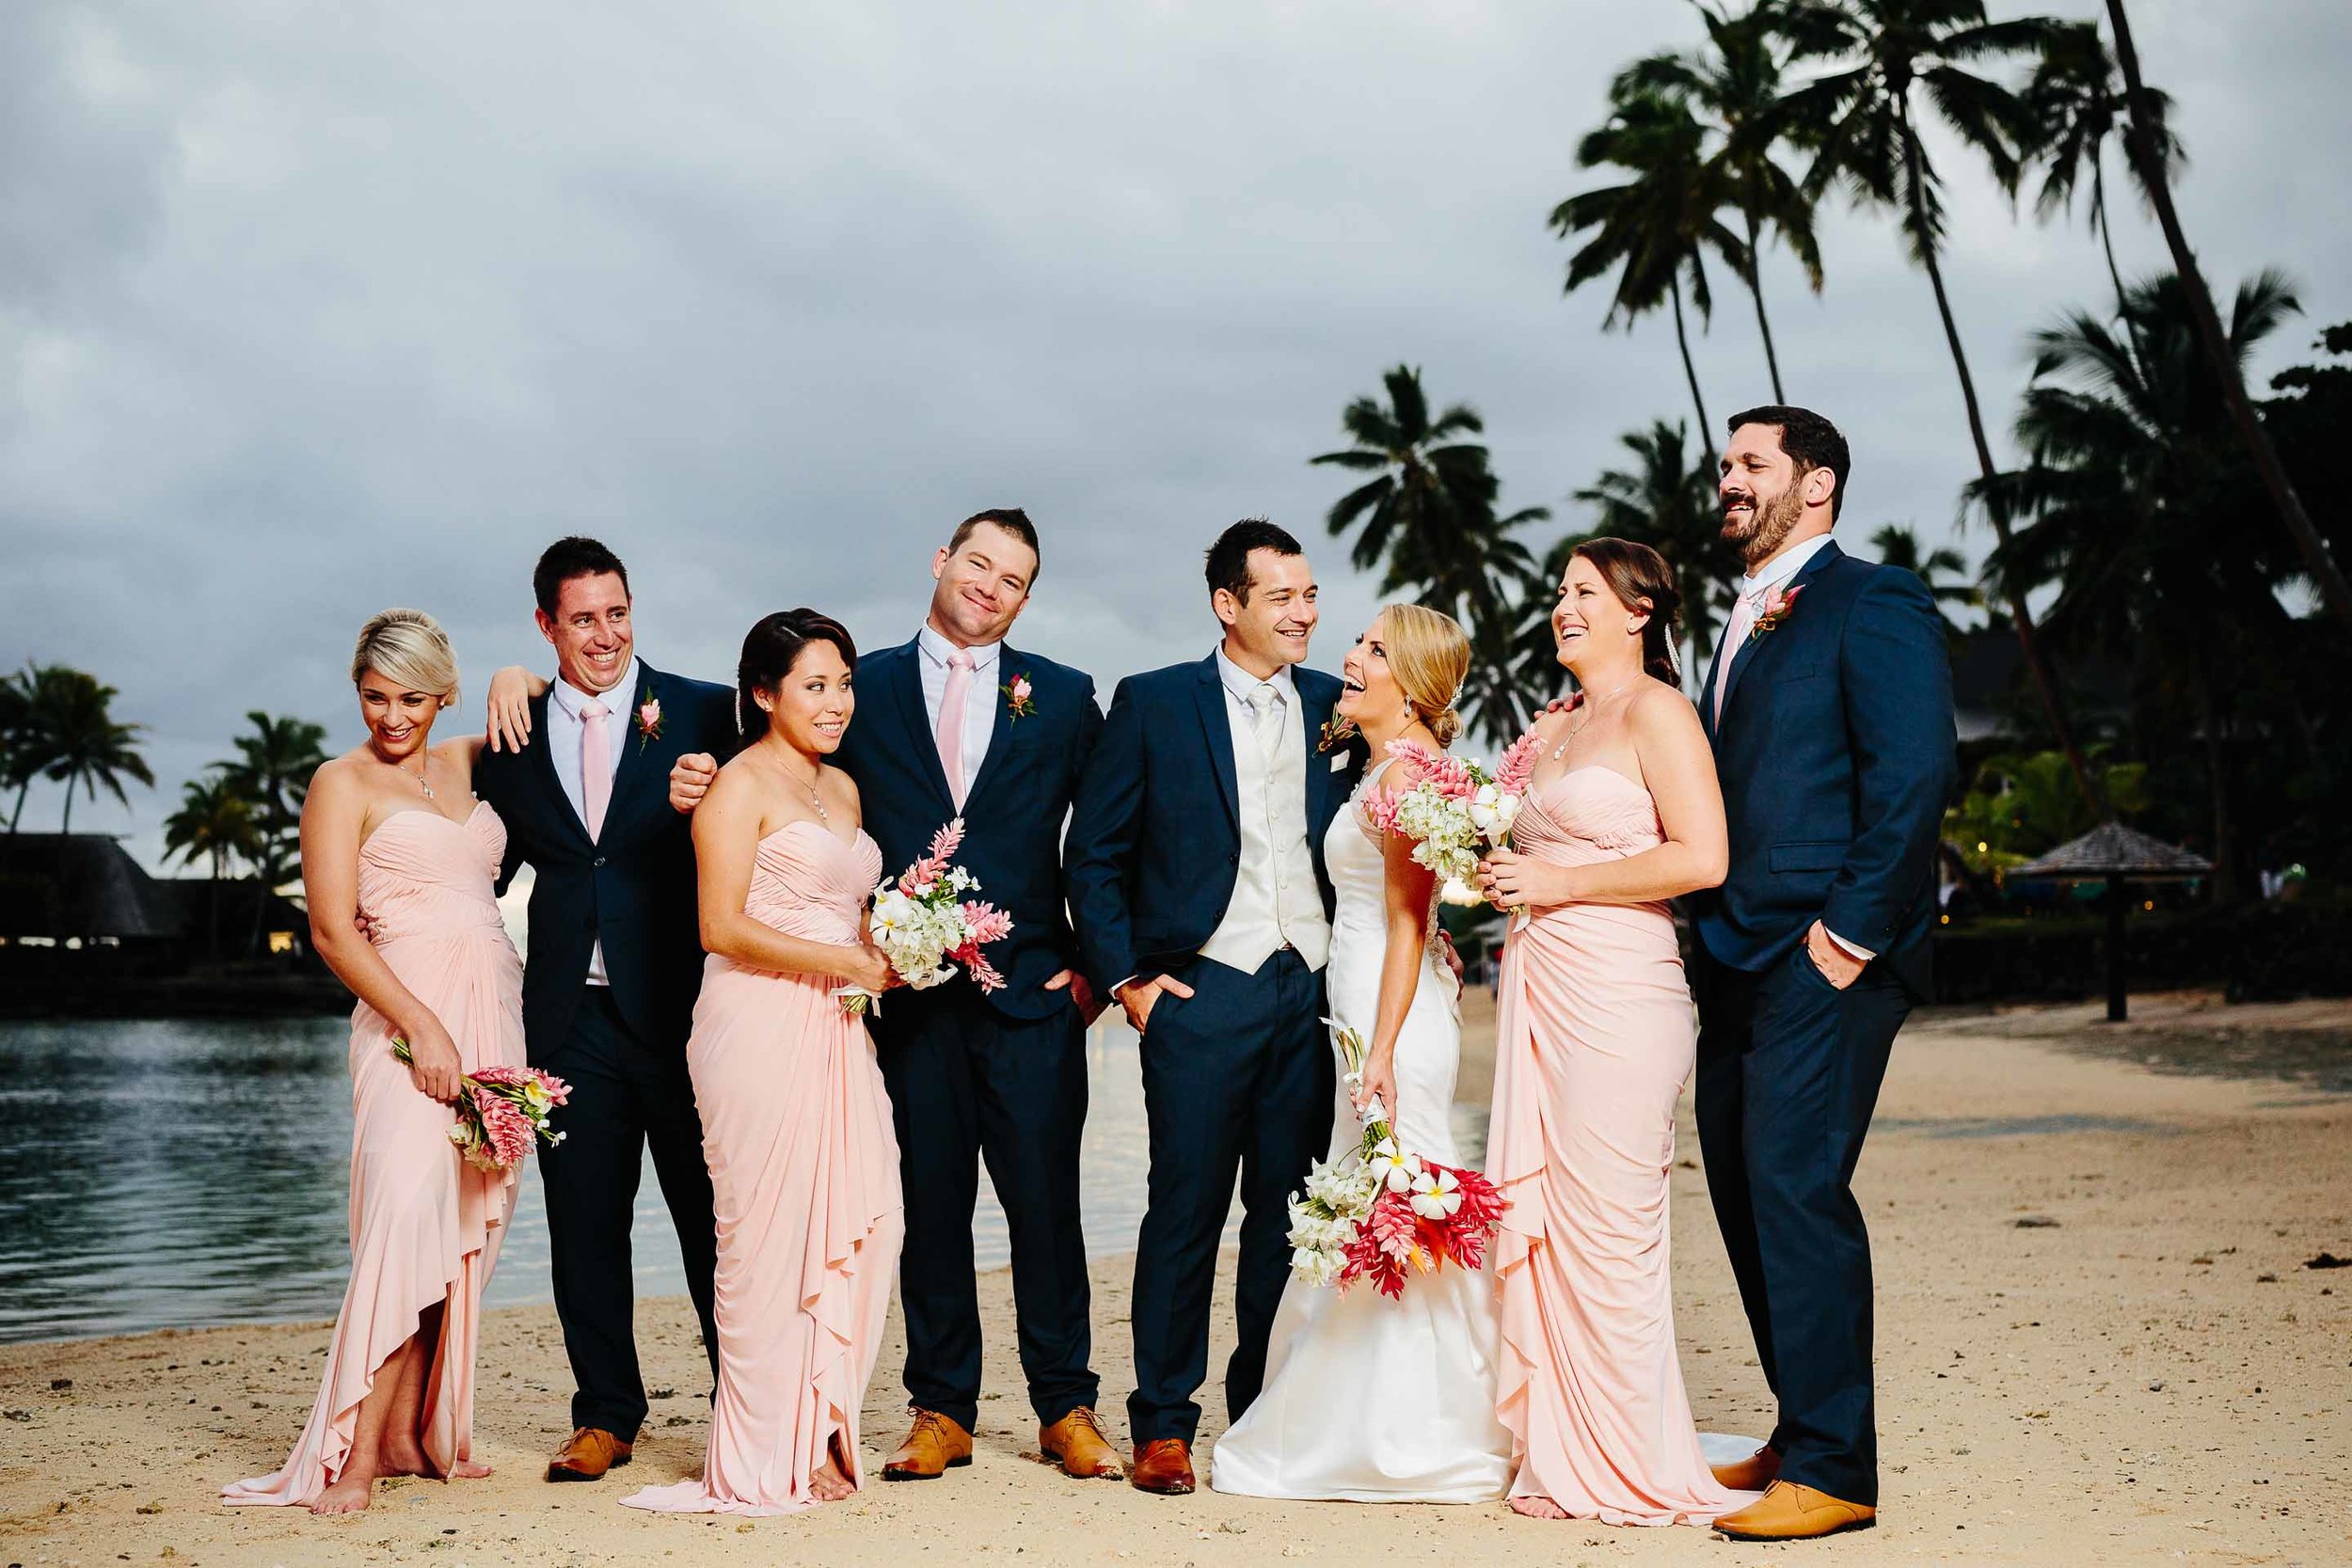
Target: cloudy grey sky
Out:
[305,311]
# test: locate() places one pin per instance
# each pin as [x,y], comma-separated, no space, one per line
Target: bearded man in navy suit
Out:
[956,723]
[1830,709]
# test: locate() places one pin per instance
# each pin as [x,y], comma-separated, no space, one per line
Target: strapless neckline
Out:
[460,823]
[849,843]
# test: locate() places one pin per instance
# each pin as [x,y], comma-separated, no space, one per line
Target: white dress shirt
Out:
[1776,573]
[565,725]
[980,700]
[1275,900]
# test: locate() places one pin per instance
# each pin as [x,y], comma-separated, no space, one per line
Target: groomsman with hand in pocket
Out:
[956,722]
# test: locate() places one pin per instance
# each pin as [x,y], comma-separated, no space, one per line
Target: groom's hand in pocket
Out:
[690,781]
[1837,966]
[1090,1005]
[1138,997]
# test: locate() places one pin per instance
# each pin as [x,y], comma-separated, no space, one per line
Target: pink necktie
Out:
[1735,638]
[596,764]
[951,722]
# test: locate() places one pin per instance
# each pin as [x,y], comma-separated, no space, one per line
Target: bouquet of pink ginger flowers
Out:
[501,1112]
[1454,811]
[922,920]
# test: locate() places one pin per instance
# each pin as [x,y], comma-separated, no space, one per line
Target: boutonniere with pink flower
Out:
[1338,731]
[1777,607]
[648,720]
[1019,698]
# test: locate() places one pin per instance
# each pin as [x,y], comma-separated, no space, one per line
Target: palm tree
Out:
[1889,62]
[1652,228]
[2145,143]
[2132,475]
[1428,517]
[2076,103]
[19,765]
[79,738]
[1734,86]
[214,822]
[1898,545]
[273,772]
[1666,500]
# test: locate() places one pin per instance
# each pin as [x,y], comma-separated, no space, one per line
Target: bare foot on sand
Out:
[466,1469]
[350,1493]
[831,1483]
[1538,1508]
[403,1457]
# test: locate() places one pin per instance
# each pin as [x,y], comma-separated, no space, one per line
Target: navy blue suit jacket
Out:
[632,887]
[1836,756]
[1012,818]
[1155,838]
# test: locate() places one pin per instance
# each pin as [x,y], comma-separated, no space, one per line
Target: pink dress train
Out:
[1594,1040]
[425,1225]
[805,1170]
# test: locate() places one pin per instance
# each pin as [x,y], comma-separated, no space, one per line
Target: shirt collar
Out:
[571,699]
[1241,683]
[1785,565]
[939,650]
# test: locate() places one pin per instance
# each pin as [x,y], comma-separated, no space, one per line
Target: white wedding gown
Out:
[1369,1400]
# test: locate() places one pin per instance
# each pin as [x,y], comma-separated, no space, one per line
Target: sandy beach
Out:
[2098,1342]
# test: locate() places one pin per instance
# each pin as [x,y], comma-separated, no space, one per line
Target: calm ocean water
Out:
[177,1173]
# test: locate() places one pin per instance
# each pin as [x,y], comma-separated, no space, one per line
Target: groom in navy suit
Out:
[1197,881]
[1830,708]
[615,963]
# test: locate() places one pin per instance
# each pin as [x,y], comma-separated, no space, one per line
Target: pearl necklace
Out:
[1592,713]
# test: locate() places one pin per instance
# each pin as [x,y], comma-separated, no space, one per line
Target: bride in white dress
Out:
[1369,1400]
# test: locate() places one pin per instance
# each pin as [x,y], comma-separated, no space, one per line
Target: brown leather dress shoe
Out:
[590,1453]
[1162,1466]
[1787,1511]
[1751,1474]
[1078,1444]
[935,1445]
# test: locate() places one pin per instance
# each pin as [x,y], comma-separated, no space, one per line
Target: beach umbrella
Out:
[2114,854]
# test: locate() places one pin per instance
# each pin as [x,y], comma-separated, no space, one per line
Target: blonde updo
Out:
[409,648]
[1429,654]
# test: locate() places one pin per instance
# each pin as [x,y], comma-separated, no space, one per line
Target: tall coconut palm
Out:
[82,741]
[2144,142]
[1654,228]
[19,763]
[215,823]
[1666,500]
[1889,65]
[1735,86]
[1428,517]
[272,771]
[2074,104]
[2133,475]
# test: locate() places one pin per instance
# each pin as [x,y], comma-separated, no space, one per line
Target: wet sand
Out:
[2098,1342]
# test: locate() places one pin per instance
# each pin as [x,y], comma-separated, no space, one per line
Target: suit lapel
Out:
[627,779]
[905,684]
[1011,667]
[541,748]
[1310,720]
[1745,654]
[1210,695]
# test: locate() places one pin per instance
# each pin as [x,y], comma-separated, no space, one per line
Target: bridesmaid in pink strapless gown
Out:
[804,1165]
[425,1225]
[1595,1038]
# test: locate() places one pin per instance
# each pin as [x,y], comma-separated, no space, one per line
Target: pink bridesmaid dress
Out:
[1594,1040]
[804,1168]
[425,1225]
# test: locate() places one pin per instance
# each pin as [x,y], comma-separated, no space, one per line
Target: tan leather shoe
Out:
[1078,1444]
[1162,1466]
[588,1455]
[935,1445]
[1787,1511]
[1751,1474]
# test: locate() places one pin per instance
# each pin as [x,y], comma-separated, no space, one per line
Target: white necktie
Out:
[1265,706]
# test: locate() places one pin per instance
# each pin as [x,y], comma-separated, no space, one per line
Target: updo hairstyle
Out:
[1429,655]
[408,648]
[772,646]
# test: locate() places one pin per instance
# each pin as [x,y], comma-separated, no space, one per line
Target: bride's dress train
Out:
[1369,1400]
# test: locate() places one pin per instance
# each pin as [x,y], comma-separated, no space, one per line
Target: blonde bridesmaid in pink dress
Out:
[795,1124]
[1594,1040]
[392,832]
